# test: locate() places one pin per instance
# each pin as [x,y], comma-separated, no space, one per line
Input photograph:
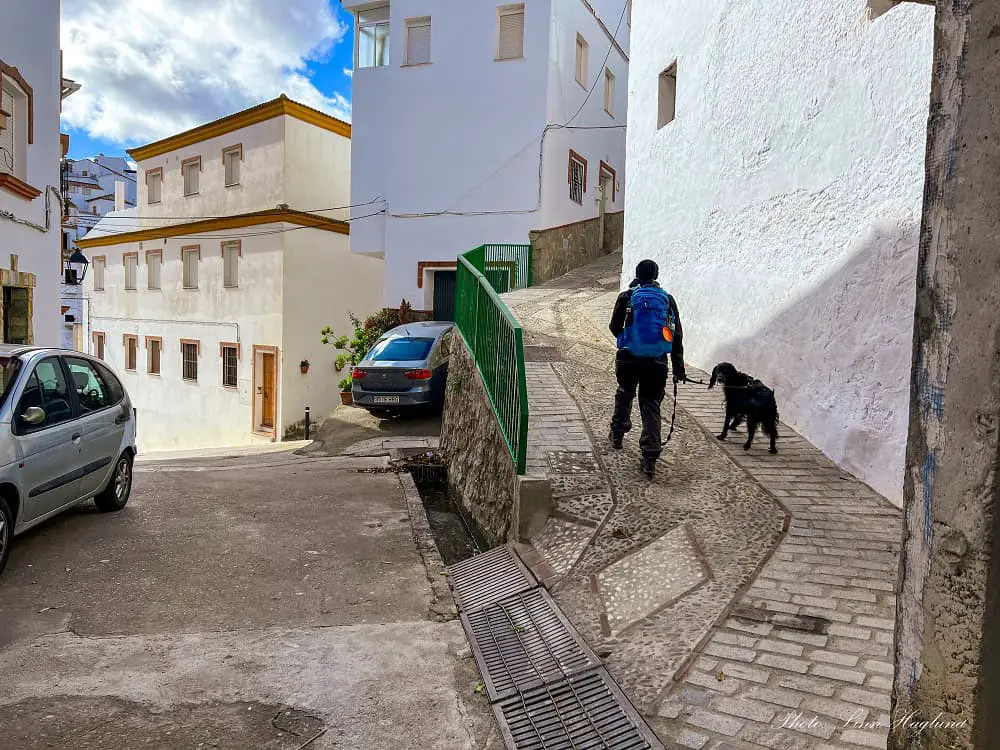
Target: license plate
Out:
[385,399]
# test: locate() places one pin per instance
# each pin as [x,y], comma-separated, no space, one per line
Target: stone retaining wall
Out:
[561,249]
[481,474]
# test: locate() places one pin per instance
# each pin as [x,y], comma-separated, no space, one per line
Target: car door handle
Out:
[121,419]
[76,437]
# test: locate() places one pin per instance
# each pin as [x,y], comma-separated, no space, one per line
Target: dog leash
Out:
[673,415]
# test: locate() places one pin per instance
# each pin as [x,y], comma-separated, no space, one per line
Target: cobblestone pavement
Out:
[725,632]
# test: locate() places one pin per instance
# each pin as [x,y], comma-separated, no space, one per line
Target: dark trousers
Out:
[649,376]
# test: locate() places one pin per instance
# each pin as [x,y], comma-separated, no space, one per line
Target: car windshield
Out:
[9,368]
[400,349]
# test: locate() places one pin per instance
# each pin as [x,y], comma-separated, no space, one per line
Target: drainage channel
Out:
[547,688]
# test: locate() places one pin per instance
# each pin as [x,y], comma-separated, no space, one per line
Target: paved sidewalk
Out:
[725,631]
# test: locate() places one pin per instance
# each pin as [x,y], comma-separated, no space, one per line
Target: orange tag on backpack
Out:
[668,335]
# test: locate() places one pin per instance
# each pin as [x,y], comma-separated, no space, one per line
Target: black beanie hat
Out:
[647,270]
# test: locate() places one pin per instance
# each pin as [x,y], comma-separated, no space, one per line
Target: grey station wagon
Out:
[67,434]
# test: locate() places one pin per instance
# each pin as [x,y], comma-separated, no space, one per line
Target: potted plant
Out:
[358,344]
[346,396]
[304,366]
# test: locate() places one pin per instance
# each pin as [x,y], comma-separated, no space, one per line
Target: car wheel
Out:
[116,494]
[6,532]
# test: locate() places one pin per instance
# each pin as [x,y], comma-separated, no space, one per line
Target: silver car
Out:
[67,434]
[405,370]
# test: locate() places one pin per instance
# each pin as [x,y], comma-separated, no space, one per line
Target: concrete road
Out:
[348,425]
[251,602]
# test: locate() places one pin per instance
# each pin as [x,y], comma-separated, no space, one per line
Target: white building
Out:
[208,318]
[31,88]
[91,188]
[776,171]
[456,108]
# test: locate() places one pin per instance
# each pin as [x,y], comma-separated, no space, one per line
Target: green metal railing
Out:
[494,335]
[507,267]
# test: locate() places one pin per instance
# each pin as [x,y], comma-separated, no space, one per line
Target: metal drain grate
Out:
[585,711]
[489,578]
[523,642]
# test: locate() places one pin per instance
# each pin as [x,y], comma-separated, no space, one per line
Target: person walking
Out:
[647,325]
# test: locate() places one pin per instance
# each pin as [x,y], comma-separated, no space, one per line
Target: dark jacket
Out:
[618,323]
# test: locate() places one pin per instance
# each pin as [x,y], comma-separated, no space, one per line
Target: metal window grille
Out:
[230,366]
[576,181]
[189,359]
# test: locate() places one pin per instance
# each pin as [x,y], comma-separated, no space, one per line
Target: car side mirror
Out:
[33,415]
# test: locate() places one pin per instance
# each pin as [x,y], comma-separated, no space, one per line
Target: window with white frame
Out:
[131,270]
[231,159]
[373,38]
[418,41]
[510,32]
[667,96]
[100,264]
[190,257]
[582,52]
[191,170]
[231,264]
[577,177]
[609,92]
[154,267]
[154,185]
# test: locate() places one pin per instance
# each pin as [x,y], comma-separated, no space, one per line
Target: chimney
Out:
[119,195]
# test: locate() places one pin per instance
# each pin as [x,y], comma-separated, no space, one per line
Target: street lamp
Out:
[76,268]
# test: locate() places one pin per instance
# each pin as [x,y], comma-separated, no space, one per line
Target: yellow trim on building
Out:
[266,111]
[240,221]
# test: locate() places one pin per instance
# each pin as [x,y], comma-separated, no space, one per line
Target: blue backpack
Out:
[651,330]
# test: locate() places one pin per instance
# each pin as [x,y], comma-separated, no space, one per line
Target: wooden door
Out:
[267,394]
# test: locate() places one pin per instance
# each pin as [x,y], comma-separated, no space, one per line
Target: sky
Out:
[152,68]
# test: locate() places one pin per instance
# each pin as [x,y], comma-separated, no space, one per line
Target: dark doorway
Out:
[16,323]
[444,295]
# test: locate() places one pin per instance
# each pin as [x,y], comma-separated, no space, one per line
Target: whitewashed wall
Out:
[323,282]
[29,41]
[174,413]
[462,134]
[783,204]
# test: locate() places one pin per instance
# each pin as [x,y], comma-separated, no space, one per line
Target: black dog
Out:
[746,399]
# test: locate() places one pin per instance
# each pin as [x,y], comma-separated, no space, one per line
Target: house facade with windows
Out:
[478,123]
[209,294]
[776,173]
[31,89]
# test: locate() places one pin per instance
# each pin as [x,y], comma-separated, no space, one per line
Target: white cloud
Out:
[349,72]
[151,68]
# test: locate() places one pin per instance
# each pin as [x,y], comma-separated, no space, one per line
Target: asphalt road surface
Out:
[244,603]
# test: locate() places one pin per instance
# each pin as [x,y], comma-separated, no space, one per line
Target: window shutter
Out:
[7,134]
[418,42]
[511,42]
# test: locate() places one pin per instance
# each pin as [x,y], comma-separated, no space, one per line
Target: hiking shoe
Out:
[616,440]
[648,467]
